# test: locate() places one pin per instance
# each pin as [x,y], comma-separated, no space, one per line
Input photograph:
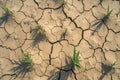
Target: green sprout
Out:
[6,10]
[75,60]
[6,15]
[113,66]
[41,30]
[23,66]
[102,21]
[109,12]
[27,60]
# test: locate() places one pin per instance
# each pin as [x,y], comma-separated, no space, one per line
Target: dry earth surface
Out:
[74,19]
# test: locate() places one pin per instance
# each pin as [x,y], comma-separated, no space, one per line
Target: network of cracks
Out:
[50,30]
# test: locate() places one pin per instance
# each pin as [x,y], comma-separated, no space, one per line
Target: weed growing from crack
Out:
[102,21]
[75,62]
[67,70]
[24,65]
[27,60]
[6,10]
[109,12]
[38,34]
[5,16]
[41,30]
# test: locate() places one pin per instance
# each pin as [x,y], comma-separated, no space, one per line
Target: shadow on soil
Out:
[37,36]
[18,71]
[63,35]
[4,19]
[99,24]
[63,74]
[106,70]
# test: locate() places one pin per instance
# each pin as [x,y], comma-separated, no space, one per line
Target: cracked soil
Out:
[66,25]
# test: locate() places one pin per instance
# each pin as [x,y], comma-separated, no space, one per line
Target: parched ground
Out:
[66,25]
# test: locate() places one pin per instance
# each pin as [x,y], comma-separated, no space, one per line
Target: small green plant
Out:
[109,12]
[5,16]
[6,10]
[27,60]
[41,30]
[75,62]
[113,66]
[23,66]
[102,21]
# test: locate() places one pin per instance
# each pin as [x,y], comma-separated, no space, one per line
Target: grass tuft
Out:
[5,16]
[38,34]
[75,60]
[6,10]
[102,21]
[23,66]
[41,30]
[27,60]
[109,12]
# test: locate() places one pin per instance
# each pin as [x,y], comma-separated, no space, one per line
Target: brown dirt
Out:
[49,54]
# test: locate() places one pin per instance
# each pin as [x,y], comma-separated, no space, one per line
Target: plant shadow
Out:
[59,1]
[37,36]
[99,24]
[4,19]
[63,73]
[63,34]
[19,70]
[100,1]
[106,69]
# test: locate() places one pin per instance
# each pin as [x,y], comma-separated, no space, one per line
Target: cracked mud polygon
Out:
[66,25]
